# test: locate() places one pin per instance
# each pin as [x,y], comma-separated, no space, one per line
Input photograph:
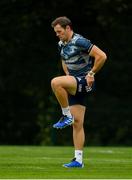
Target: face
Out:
[61,33]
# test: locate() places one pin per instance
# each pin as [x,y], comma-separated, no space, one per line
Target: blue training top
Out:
[76,55]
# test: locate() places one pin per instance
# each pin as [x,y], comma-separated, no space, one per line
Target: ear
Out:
[68,27]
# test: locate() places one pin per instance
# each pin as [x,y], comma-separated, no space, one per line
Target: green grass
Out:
[39,162]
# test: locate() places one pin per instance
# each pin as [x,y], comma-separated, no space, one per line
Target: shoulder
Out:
[82,42]
[79,40]
[60,43]
[76,37]
[83,39]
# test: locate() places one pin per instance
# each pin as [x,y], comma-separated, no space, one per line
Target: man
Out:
[81,60]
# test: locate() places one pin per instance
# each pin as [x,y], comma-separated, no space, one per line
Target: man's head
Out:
[63,28]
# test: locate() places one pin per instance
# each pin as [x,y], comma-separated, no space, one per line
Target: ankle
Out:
[78,155]
[66,111]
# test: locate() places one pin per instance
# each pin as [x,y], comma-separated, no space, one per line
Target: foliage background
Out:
[29,60]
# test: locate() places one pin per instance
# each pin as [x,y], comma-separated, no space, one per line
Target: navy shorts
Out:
[83,90]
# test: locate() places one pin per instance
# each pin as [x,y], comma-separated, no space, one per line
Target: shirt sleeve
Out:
[59,48]
[84,44]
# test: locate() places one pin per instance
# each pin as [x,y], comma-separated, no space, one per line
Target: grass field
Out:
[39,162]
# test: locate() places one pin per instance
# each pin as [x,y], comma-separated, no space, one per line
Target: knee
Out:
[54,83]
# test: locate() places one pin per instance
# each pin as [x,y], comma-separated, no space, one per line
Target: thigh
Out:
[67,82]
[77,99]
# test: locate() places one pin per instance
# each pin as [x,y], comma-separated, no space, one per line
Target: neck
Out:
[69,37]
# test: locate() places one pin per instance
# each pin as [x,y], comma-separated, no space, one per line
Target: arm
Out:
[99,60]
[94,51]
[65,68]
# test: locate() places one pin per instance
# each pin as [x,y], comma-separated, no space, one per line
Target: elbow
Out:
[104,57]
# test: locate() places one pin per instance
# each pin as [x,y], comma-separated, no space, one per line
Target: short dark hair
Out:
[63,21]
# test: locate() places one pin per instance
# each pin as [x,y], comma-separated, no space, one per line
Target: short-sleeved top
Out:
[76,55]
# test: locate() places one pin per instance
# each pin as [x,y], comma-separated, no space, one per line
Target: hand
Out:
[90,80]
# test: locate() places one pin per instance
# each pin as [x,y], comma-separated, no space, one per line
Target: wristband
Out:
[91,74]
